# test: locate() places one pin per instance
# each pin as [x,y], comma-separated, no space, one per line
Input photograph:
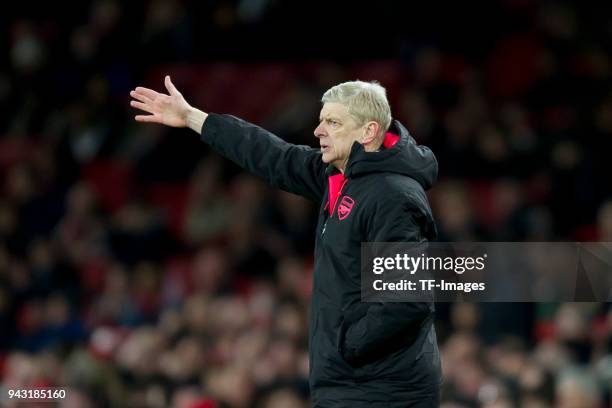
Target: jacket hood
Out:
[402,156]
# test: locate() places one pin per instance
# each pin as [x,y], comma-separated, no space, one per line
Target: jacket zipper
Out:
[335,205]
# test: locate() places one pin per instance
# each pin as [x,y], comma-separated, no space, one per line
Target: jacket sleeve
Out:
[296,169]
[386,326]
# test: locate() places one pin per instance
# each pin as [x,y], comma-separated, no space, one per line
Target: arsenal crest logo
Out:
[345,207]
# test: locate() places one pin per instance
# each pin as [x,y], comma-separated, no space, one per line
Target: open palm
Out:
[170,110]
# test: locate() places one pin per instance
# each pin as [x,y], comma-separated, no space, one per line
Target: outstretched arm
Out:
[296,169]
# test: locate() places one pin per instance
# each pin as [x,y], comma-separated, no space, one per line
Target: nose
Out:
[319,132]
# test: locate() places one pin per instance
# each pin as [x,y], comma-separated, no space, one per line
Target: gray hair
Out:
[365,101]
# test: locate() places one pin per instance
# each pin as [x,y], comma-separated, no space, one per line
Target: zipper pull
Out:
[324,226]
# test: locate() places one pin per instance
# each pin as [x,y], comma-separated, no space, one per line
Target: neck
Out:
[340,166]
[373,146]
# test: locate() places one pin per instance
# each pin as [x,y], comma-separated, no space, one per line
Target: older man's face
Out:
[336,132]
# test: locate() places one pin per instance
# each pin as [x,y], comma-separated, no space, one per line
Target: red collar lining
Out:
[390,140]
[336,183]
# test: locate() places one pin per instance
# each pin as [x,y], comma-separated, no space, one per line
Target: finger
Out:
[142,106]
[149,93]
[147,118]
[170,86]
[141,97]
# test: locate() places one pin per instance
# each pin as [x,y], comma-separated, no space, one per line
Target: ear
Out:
[371,131]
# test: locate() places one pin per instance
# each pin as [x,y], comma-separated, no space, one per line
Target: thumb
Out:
[170,86]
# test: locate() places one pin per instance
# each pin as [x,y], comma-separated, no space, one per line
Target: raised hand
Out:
[170,110]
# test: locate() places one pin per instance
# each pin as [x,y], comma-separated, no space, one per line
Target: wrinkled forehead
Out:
[334,110]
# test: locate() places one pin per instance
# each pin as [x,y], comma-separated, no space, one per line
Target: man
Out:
[370,183]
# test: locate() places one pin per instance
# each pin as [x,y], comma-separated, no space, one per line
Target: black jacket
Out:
[361,354]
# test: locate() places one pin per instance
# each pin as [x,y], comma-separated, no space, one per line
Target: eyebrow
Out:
[330,117]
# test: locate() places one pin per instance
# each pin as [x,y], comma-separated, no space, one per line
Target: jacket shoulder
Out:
[397,195]
[386,186]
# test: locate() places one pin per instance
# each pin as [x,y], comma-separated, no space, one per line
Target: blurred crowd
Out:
[140,269]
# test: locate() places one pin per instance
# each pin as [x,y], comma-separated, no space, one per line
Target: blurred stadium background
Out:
[139,269]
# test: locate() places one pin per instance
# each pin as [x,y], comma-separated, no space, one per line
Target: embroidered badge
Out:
[345,207]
